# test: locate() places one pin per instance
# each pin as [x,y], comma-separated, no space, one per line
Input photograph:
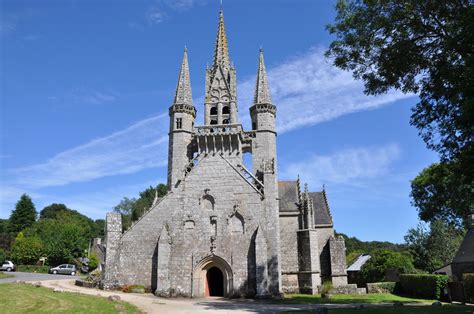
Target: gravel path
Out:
[151,304]
[33,277]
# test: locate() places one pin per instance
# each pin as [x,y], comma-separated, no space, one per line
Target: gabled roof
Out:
[359,262]
[465,253]
[322,216]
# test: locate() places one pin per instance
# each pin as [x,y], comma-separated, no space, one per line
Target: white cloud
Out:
[307,90]
[84,96]
[138,147]
[155,15]
[347,166]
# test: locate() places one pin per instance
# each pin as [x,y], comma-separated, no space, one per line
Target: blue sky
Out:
[85,87]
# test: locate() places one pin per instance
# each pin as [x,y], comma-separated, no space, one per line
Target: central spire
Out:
[221,51]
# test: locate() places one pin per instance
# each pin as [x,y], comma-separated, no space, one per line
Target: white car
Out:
[8,266]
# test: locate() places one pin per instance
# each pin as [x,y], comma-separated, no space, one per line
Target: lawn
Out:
[3,275]
[445,309]
[25,298]
[349,299]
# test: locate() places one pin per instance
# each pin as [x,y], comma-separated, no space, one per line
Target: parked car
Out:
[8,266]
[64,269]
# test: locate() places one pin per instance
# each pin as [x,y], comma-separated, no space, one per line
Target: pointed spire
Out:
[262,92]
[183,89]
[221,52]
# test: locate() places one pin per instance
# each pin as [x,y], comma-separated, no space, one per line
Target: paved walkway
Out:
[33,277]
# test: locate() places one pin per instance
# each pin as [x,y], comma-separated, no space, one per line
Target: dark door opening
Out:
[215,282]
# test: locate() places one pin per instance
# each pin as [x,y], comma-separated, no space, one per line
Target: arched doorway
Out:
[212,277]
[215,282]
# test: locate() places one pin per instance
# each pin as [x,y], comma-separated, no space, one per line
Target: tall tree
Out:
[422,47]
[23,216]
[434,247]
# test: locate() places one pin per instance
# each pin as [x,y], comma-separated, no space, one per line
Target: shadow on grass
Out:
[445,309]
[349,299]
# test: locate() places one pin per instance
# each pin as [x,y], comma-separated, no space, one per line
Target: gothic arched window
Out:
[226,110]
[213,111]
[213,122]
[225,121]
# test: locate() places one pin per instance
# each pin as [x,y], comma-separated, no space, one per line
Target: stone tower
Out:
[182,114]
[221,84]
[222,229]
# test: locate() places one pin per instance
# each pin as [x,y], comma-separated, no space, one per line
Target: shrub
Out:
[381,287]
[93,262]
[468,280]
[381,260]
[3,255]
[424,285]
[33,269]
[26,250]
[94,278]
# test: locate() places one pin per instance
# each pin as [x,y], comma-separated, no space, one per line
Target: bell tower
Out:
[182,114]
[221,87]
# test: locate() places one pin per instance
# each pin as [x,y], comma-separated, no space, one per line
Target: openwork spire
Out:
[183,89]
[221,52]
[262,92]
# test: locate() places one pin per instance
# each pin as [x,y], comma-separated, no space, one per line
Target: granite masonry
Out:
[222,229]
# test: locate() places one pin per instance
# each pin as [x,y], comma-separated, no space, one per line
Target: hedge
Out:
[32,268]
[423,285]
[468,280]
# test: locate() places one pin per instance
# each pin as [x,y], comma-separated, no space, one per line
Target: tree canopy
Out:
[432,249]
[132,209]
[426,48]
[23,216]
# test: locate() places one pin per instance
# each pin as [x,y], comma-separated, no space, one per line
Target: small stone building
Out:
[223,229]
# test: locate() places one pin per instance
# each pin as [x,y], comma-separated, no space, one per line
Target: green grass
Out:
[372,298]
[3,275]
[445,309]
[25,298]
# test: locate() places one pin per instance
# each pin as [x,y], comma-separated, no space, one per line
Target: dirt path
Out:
[148,303]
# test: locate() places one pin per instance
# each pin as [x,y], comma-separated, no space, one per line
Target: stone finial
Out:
[262,91]
[221,51]
[183,89]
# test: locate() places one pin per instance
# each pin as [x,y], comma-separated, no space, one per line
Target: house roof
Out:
[359,262]
[465,253]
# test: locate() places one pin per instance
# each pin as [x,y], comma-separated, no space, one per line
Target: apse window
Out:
[179,123]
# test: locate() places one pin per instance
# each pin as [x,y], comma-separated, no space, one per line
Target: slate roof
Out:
[321,209]
[288,194]
[465,253]
[359,262]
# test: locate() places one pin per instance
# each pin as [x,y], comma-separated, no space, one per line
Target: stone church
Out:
[222,229]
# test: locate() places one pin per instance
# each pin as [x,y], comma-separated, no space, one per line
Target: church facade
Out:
[222,229]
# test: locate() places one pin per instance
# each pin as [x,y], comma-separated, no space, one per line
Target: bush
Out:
[26,250]
[381,287]
[3,255]
[424,285]
[33,269]
[468,280]
[93,262]
[381,260]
